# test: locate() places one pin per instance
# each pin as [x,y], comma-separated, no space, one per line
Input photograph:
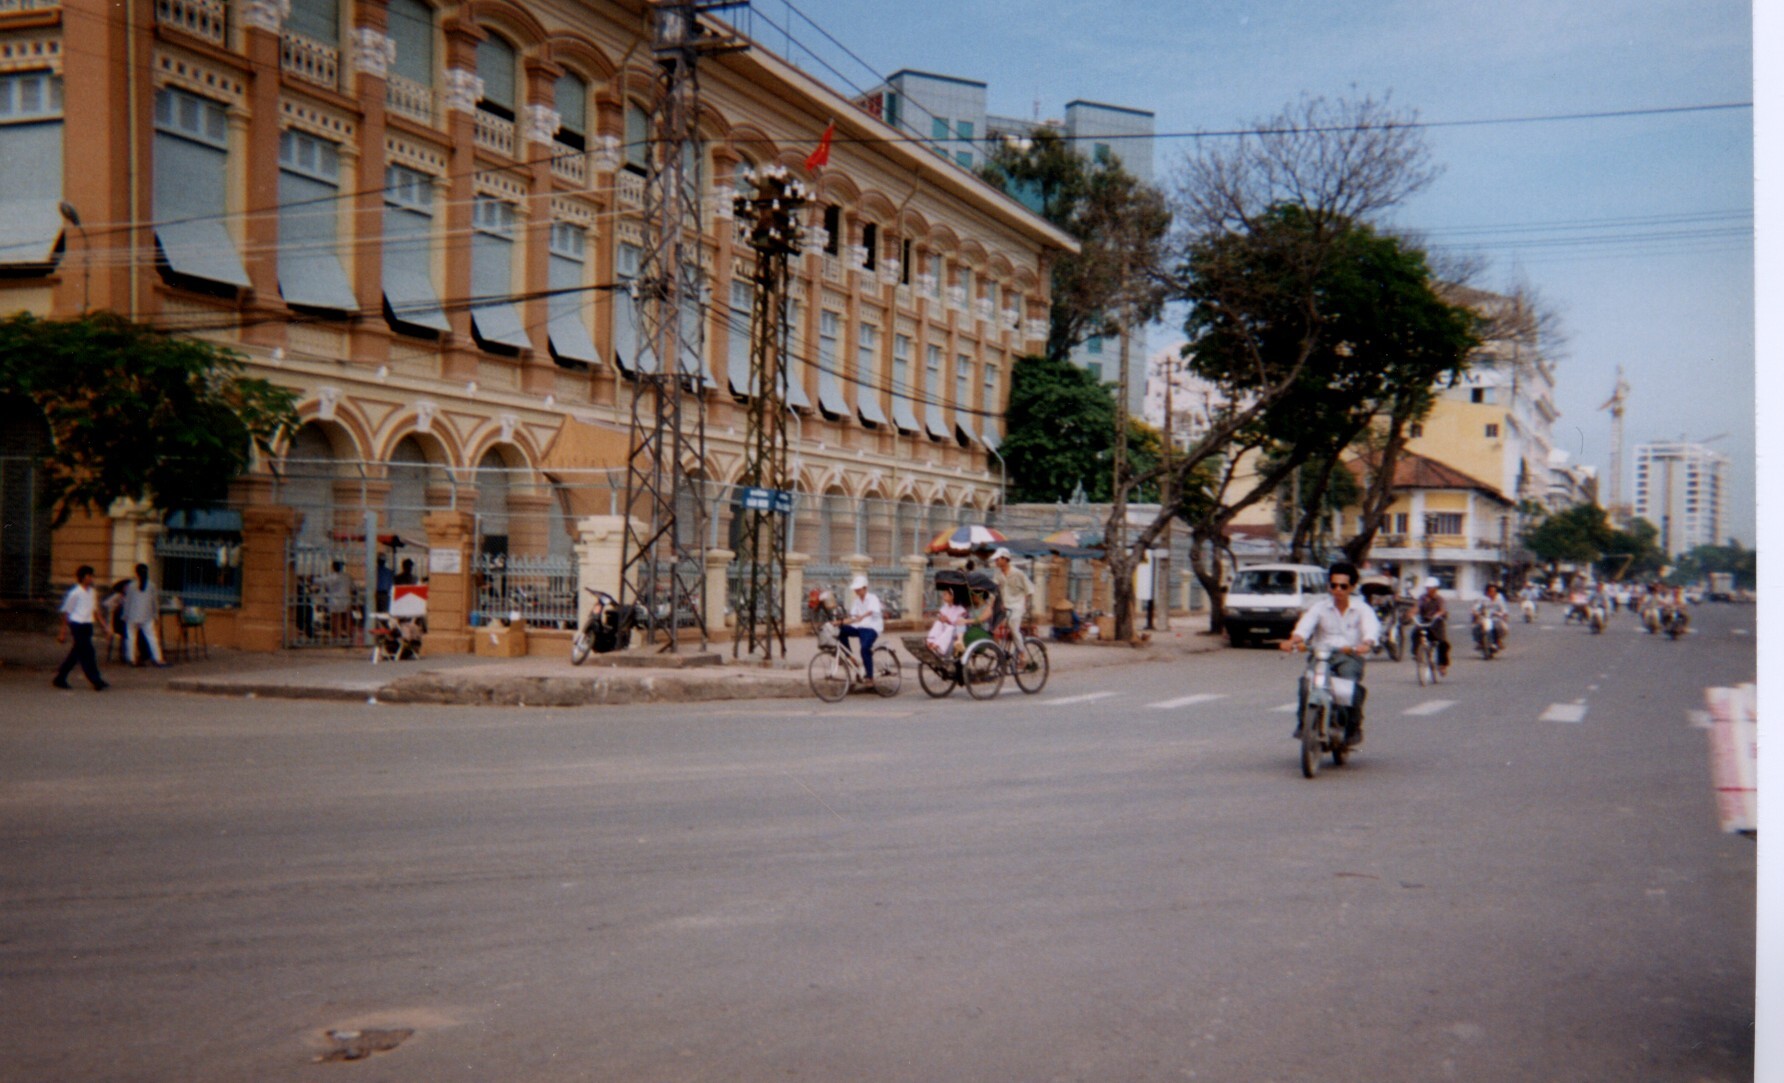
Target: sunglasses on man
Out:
[1338,584]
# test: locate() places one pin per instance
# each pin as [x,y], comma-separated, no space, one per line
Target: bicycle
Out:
[834,670]
[1424,652]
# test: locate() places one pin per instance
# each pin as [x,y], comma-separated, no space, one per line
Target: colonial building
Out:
[424,219]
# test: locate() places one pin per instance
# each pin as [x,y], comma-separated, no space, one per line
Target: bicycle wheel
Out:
[1031,666]
[888,674]
[579,648]
[829,676]
[1421,658]
[934,681]
[983,668]
[1313,730]
[1396,643]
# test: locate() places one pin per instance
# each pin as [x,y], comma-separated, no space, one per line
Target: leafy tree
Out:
[1733,558]
[1581,534]
[136,414]
[1265,228]
[1060,429]
[1632,553]
[1120,225]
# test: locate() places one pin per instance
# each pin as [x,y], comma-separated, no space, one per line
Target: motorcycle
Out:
[607,628]
[1674,620]
[1326,704]
[1489,635]
[1595,617]
[1528,606]
[1651,618]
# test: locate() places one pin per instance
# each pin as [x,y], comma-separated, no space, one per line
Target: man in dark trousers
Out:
[79,617]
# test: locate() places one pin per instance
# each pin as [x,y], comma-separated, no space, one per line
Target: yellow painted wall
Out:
[1455,435]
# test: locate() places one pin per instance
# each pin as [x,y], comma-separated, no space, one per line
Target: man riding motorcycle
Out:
[1350,629]
[1491,618]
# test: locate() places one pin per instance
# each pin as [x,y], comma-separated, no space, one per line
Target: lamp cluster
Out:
[768,217]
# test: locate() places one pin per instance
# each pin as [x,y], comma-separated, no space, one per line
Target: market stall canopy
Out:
[961,540]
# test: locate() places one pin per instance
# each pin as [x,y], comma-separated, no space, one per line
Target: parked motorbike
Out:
[608,627]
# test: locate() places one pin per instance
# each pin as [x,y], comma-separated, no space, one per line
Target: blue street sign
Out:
[751,498]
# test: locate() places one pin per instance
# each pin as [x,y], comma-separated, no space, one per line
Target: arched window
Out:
[570,99]
[497,68]
[411,26]
[406,501]
[492,504]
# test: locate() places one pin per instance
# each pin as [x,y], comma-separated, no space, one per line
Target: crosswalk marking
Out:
[1085,698]
[1564,712]
[1184,701]
[1430,706]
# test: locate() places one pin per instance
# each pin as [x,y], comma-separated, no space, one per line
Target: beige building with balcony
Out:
[424,218]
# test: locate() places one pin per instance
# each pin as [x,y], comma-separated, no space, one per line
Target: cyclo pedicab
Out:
[978,657]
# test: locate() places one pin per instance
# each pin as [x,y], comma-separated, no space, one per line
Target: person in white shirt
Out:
[1018,595]
[142,612]
[80,612]
[866,620]
[1350,628]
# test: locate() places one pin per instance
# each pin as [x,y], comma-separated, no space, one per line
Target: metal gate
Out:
[325,595]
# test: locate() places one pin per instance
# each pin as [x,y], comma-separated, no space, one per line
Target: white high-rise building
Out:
[1679,488]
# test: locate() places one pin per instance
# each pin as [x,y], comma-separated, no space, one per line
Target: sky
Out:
[1634,230]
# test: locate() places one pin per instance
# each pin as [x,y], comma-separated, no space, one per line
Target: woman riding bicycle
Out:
[866,621]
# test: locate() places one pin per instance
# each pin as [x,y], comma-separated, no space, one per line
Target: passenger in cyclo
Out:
[1350,629]
[949,626]
[986,608]
[866,622]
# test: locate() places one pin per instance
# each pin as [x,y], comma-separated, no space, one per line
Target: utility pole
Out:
[769,221]
[664,550]
[1167,488]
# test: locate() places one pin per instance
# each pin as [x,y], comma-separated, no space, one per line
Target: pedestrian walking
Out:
[142,614]
[337,598]
[80,612]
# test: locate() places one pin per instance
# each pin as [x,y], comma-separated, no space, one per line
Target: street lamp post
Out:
[73,218]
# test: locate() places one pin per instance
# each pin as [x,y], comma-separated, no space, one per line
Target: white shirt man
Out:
[80,610]
[866,620]
[1349,628]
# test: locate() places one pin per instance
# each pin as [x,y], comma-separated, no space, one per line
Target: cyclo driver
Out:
[1351,630]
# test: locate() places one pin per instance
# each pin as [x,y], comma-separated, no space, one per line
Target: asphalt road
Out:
[1518,877]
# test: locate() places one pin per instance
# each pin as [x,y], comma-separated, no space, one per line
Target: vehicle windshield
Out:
[1261,581]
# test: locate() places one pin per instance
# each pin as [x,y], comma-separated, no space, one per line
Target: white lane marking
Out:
[1564,712]
[1199,697]
[1738,632]
[1430,706]
[1591,688]
[1085,698]
[1286,708]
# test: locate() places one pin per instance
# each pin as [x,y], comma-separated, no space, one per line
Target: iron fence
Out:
[200,571]
[540,590]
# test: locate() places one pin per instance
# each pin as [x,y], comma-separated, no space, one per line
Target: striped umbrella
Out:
[961,540]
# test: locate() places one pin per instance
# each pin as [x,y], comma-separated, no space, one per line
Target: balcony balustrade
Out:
[409,99]
[493,133]
[570,164]
[207,19]
[310,60]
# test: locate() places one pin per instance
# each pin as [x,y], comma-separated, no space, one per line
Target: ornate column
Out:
[718,562]
[913,587]
[265,530]
[450,583]
[600,541]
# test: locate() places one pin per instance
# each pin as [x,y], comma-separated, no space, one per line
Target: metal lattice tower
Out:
[664,554]
[768,219]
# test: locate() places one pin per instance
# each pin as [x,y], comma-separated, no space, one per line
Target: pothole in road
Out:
[352,1045]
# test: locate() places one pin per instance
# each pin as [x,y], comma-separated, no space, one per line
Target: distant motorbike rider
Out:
[1491,610]
[1350,629]
[1433,611]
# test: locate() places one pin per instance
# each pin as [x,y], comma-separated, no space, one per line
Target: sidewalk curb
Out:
[604,690]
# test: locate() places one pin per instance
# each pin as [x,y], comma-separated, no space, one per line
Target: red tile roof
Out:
[1414,471]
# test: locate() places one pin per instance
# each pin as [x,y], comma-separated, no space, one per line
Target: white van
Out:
[1265,600]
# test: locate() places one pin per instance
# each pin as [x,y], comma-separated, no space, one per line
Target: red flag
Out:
[821,156]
